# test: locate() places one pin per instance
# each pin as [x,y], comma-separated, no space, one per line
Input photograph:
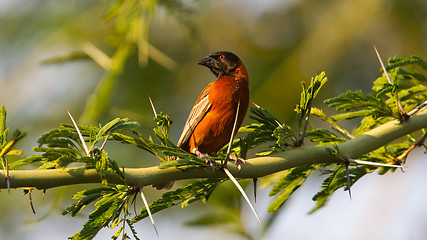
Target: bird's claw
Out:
[209,161]
[238,161]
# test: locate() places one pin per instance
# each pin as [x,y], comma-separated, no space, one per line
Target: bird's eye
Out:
[221,57]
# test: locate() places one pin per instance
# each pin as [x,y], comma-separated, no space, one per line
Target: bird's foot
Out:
[238,161]
[208,160]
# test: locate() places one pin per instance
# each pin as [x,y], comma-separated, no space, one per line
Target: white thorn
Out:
[148,210]
[79,133]
[152,106]
[373,163]
[242,192]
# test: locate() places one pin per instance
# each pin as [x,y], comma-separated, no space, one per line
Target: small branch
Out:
[304,130]
[254,168]
[402,157]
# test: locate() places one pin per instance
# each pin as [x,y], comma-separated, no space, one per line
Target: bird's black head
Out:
[221,63]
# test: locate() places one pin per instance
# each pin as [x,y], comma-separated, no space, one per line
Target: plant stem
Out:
[254,168]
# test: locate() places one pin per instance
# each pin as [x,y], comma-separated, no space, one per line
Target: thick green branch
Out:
[255,167]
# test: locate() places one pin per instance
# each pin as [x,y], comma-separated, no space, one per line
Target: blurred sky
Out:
[281,42]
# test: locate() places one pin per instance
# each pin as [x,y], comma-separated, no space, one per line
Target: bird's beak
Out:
[209,62]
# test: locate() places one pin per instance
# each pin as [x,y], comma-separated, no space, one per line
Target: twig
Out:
[302,136]
[4,152]
[402,157]
[258,167]
[322,116]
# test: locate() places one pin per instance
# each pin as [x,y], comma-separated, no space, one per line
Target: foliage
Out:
[129,35]
[62,146]
[6,147]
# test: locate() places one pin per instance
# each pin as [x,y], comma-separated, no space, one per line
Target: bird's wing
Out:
[199,110]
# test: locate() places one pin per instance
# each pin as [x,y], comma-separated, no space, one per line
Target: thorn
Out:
[242,192]
[44,193]
[79,133]
[8,184]
[278,123]
[31,201]
[148,210]
[105,141]
[403,115]
[256,105]
[361,162]
[227,156]
[417,108]
[133,202]
[255,182]
[347,171]
[152,106]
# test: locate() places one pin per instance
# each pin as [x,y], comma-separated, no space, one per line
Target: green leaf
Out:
[361,104]
[79,205]
[73,56]
[108,208]
[288,184]
[132,228]
[413,60]
[338,179]
[185,195]
[324,137]
[219,218]
[2,126]
[261,115]
[308,94]
[114,126]
[284,136]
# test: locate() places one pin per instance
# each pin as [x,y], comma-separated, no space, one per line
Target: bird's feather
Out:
[197,113]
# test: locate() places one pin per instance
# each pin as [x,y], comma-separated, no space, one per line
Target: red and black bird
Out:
[210,123]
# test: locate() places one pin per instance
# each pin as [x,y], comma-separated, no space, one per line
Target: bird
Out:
[211,120]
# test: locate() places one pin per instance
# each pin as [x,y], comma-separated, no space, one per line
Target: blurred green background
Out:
[47,53]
